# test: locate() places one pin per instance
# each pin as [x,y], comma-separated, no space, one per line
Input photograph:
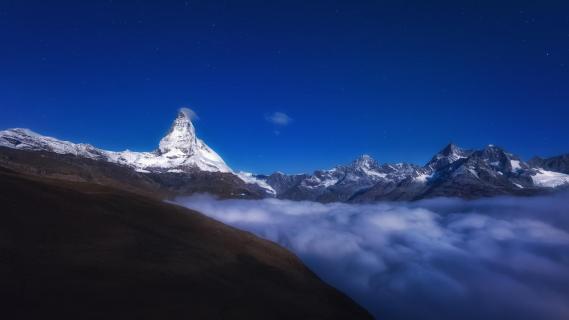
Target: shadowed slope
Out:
[77,250]
[157,185]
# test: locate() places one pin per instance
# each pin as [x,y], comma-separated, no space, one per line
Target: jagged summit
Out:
[450,149]
[453,172]
[179,151]
[182,136]
[448,155]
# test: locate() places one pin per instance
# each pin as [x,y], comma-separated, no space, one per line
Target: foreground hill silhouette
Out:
[86,251]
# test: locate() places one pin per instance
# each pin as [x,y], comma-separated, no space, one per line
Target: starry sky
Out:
[291,85]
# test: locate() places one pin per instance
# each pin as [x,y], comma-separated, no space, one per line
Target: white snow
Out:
[515,165]
[179,150]
[423,178]
[248,177]
[549,179]
[370,172]
[25,139]
[329,182]
[453,157]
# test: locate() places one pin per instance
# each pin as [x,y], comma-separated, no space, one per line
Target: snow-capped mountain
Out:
[451,172]
[341,182]
[179,157]
[183,163]
[450,154]
[261,184]
[25,139]
[179,151]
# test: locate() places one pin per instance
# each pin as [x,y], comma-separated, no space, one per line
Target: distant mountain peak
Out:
[492,151]
[449,154]
[451,148]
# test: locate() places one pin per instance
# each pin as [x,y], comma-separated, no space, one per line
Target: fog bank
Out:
[434,259]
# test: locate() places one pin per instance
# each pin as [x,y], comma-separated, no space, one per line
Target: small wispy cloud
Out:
[191,114]
[279,119]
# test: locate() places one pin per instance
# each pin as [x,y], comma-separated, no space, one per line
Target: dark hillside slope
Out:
[84,251]
[67,167]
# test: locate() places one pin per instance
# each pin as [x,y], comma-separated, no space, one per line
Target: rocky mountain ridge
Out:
[179,151]
[452,172]
[184,164]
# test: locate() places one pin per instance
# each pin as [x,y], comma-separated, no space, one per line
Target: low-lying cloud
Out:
[437,259]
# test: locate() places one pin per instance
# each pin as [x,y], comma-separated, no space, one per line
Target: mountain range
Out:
[86,233]
[184,164]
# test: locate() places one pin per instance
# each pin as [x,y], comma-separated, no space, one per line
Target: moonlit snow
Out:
[550,179]
[178,150]
[437,259]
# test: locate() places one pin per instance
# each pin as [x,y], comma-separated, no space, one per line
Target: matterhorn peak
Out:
[182,135]
[180,150]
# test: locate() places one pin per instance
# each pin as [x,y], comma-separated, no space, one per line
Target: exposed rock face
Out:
[451,153]
[556,164]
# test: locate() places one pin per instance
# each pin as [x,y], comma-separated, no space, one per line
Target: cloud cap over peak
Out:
[188,113]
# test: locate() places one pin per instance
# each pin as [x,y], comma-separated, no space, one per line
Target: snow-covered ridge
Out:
[179,151]
[549,179]
[461,170]
[250,178]
[25,139]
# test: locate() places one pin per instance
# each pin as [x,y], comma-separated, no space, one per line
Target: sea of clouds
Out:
[500,258]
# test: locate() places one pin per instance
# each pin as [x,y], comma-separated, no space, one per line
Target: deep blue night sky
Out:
[394,79]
